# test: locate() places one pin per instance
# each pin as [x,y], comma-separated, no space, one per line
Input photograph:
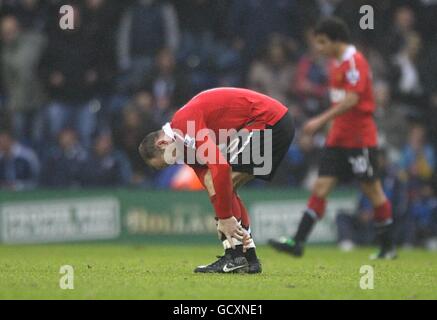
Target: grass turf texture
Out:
[165,272]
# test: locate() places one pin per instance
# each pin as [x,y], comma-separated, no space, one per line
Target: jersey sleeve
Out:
[220,173]
[208,153]
[356,75]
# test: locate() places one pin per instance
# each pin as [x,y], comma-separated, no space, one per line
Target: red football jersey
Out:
[229,108]
[222,108]
[355,128]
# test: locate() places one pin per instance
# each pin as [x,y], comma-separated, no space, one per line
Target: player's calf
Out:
[383,217]
[249,250]
[384,232]
[295,245]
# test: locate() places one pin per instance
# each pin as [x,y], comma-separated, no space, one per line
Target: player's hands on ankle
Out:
[231,229]
[246,240]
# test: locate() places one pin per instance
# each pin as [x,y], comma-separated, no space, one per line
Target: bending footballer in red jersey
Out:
[224,109]
[249,126]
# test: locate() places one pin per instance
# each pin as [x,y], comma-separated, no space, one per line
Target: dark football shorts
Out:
[349,163]
[260,152]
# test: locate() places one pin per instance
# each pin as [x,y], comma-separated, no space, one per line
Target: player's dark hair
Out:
[147,148]
[334,28]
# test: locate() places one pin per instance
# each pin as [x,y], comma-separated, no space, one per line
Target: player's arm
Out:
[221,177]
[351,99]
[222,190]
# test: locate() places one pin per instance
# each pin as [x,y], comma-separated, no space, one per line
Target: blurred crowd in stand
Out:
[75,104]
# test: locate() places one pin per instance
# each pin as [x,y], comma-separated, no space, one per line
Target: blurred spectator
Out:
[168,84]
[427,23]
[355,228]
[378,63]
[407,85]
[251,23]
[21,51]
[137,121]
[327,8]
[421,229]
[202,16]
[417,169]
[72,68]
[404,20]
[145,28]
[273,74]
[99,17]
[144,102]
[390,117]
[299,160]
[106,167]
[429,76]
[205,49]
[66,162]
[200,23]
[32,14]
[418,156]
[19,165]
[310,83]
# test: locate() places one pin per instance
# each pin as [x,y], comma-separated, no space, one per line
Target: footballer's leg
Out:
[234,260]
[239,179]
[383,218]
[315,211]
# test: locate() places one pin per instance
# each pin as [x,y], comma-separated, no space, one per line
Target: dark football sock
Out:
[385,236]
[237,252]
[305,227]
[251,255]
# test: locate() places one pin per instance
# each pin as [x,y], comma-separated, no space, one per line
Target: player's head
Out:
[152,149]
[330,34]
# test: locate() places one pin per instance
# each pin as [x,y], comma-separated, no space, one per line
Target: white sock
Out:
[227,245]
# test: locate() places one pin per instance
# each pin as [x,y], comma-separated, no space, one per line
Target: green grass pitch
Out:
[104,271]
